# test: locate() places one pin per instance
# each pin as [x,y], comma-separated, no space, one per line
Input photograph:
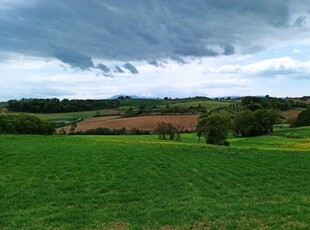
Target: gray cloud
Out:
[154,63]
[75,59]
[301,20]
[104,68]
[131,68]
[118,69]
[77,32]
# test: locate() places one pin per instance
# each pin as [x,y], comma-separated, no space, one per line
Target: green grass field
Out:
[185,103]
[68,117]
[138,102]
[209,104]
[295,132]
[284,139]
[139,182]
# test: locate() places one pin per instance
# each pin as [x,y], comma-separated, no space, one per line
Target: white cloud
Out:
[33,77]
[297,51]
[285,66]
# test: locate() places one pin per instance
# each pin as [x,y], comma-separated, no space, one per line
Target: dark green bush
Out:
[303,119]
[24,124]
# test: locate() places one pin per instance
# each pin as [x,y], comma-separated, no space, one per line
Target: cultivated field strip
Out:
[183,122]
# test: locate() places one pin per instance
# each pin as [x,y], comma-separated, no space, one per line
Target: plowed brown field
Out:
[290,114]
[184,122]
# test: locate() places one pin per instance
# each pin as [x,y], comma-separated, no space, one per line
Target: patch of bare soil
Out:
[290,114]
[183,122]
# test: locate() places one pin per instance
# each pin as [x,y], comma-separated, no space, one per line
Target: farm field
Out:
[73,115]
[137,102]
[67,118]
[140,182]
[284,139]
[290,114]
[209,104]
[185,122]
[299,100]
[152,107]
[184,103]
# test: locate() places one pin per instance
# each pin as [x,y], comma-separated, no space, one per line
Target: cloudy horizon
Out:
[98,49]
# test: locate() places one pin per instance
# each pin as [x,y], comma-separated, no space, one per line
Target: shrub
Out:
[24,124]
[167,129]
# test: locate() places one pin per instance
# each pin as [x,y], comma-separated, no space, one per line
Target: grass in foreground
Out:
[137,182]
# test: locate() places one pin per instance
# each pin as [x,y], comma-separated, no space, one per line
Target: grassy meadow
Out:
[184,103]
[296,132]
[140,182]
[208,104]
[68,117]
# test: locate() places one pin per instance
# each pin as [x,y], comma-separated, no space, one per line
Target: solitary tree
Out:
[165,130]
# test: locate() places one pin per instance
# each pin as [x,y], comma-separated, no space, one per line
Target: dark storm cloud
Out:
[77,31]
[75,59]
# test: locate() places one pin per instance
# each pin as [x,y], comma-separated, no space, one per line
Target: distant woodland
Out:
[54,105]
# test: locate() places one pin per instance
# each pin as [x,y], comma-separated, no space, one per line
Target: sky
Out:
[155,48]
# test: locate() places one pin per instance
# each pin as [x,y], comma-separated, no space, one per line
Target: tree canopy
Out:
[214,128]
[260,122]
[255,103]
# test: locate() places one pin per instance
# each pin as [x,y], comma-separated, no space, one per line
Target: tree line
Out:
[54,105]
